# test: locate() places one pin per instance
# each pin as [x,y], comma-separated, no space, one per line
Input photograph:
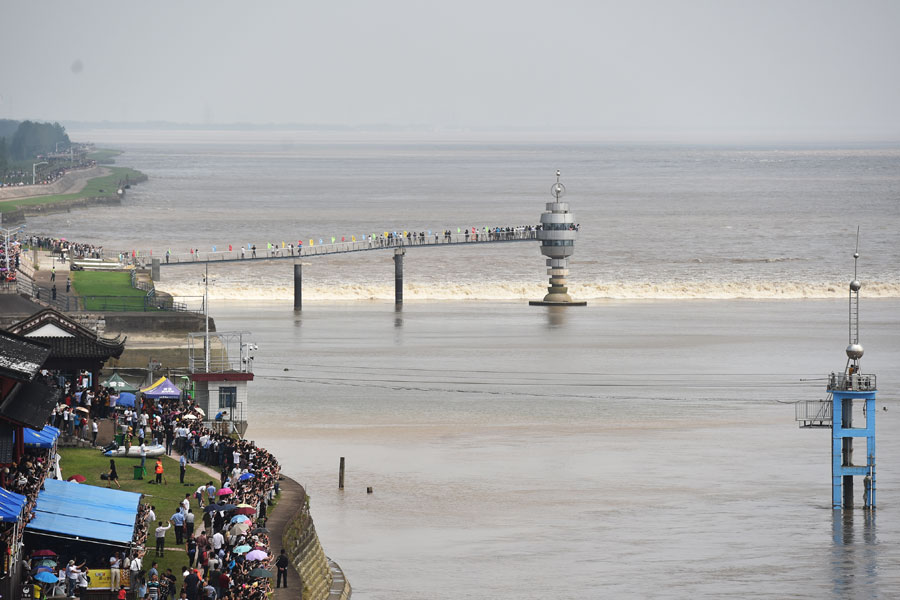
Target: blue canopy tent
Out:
[45,438]
[163,388]
[83,511]
[11,505]
[126,399]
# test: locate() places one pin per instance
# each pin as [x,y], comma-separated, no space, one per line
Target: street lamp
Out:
[34,170]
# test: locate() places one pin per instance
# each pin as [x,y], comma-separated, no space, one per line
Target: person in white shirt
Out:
[217,541]
[73,573]
[114,564]
[161,537]
[135,569]
[94,429]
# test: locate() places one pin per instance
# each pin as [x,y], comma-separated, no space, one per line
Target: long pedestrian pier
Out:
[243,253]
[398,243]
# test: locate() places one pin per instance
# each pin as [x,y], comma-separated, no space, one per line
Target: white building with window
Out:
[220,369]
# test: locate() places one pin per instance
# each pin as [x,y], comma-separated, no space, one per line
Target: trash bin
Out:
[138,472]
[120,439]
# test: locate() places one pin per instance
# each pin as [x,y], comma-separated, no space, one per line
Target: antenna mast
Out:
[854,349]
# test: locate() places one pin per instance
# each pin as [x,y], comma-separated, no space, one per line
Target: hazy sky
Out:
[807,68]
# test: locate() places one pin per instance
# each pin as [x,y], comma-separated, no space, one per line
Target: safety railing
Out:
[857,382]
[813,413]
[338,247]
[71,303]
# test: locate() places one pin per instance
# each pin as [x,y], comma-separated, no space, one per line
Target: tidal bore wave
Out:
[680,290]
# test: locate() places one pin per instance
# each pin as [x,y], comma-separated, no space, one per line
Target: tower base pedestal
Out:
[558,295]
[554,303]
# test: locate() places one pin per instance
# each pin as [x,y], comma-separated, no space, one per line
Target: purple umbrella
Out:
[256,555]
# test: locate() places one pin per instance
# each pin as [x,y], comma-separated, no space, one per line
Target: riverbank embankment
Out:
[108,185]
[71,183]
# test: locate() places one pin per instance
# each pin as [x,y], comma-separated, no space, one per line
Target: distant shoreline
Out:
[108,187]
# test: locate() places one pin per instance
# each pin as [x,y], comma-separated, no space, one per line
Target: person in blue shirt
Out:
[178,524]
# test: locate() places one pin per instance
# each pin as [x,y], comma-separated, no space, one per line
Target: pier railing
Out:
[337,247]
[813,413]
[858,382]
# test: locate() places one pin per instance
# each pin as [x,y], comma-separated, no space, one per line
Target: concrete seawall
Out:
[322,578]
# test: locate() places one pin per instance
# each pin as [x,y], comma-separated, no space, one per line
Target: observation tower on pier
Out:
[852,395]
[557,235]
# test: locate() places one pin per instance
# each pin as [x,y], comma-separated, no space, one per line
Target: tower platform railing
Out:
[813,413]
[857,382]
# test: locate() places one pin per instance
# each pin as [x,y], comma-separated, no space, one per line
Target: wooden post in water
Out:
[298,285]
[398,275]
[341,475]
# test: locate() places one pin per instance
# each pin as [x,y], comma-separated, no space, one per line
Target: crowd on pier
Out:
[64,248]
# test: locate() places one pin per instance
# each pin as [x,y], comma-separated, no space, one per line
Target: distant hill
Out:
[8,127]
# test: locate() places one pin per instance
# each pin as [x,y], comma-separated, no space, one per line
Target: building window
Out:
[227,397]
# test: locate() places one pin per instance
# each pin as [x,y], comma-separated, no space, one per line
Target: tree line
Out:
[26,139]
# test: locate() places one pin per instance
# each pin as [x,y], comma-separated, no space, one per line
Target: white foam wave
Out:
[680,290]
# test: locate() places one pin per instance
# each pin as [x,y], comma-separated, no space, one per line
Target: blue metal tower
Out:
[852,394]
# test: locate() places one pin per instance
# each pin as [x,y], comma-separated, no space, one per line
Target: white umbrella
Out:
[240,527]
[189,417]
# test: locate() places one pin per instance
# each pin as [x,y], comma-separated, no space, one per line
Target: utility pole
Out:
[206,311]
[34,167]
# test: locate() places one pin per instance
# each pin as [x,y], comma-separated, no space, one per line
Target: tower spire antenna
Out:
[848,392]
[854,348]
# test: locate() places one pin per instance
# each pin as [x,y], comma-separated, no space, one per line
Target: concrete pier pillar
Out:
[154,270]
[298,285]
[398,275]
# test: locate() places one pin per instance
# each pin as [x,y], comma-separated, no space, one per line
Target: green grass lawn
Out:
[96,286]
[104,156]
[98,186]
[104,283]
[91,463]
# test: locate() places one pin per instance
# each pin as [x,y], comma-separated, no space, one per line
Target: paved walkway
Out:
[42,276]
[71,183]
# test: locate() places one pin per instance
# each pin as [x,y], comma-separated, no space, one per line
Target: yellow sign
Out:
[102,578]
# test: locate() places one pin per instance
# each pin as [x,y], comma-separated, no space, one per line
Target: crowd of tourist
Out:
[64,248]
[385,239]
[12,253]
[26,477]
[19,177]
[221,524]
[230,540]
